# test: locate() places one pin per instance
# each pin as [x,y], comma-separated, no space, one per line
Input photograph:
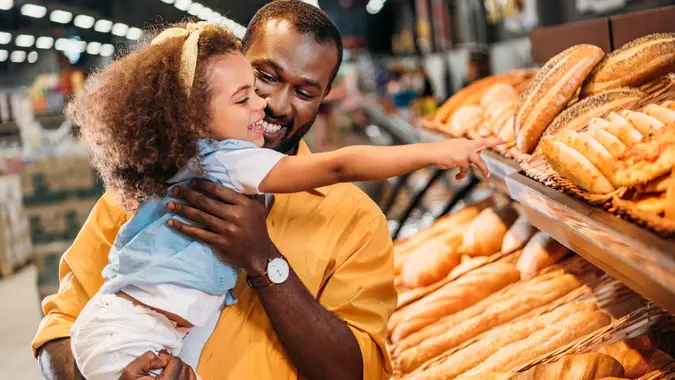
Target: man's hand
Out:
[56,361]
[234,224]
[173,368]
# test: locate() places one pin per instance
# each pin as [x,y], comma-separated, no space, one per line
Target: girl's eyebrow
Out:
[240,89]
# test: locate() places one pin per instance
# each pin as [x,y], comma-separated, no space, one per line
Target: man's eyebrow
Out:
[279,69]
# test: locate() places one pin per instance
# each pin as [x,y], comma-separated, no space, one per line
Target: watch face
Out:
[277,270]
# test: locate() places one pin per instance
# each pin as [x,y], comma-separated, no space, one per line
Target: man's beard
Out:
[289,144]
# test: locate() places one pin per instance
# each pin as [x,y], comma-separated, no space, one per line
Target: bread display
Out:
[541,251]
[635,63]
[518,235]
[486,232]
[433,263]
[550,92]
[648,160]
[587,366]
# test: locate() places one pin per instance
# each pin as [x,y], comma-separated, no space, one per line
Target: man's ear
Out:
[328,89]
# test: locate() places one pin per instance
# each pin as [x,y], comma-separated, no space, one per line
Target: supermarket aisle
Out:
[20,317]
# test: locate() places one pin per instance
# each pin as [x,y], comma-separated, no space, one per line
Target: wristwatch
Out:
[276,273]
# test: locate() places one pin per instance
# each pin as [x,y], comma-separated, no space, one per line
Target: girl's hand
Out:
[460,153]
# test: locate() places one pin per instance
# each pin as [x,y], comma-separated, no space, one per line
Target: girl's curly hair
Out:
[137,119]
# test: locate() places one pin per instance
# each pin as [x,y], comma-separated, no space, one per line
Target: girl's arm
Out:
[371,163]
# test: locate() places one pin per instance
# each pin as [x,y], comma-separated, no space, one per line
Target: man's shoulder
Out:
[337,195]
[109,205]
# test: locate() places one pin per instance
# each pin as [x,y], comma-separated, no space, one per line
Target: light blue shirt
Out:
[148,252]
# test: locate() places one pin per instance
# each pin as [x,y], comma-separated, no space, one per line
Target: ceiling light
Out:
[61,17]
[6,5]
[3,55]
[94,48]
[83,21]
[134,33]
[24,40]
[103,26]
[80,45]
[44,43]
[168,1]
[183,5]
[61,44]
[32,57]
[5,38]
[215,18]
[17,56]
[32,10]
[195,8]
[205,13]
[120,29]
[107,50]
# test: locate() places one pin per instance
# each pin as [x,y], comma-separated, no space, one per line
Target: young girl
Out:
[180,108]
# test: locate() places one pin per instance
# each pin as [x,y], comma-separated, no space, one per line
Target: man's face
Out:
[293,75]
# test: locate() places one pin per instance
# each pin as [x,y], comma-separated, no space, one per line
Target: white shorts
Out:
[111,332]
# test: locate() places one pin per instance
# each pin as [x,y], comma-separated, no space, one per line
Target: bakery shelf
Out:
[640,259]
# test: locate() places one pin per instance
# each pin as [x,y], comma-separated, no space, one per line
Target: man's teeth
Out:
[270,128]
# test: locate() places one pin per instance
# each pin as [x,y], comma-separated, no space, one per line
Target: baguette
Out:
[542,342]
[485,234]
[500,313]
[633,64]
[540,252]
[520,233]
[455,296]
[588,366]
[551,90]
[579,115]
[432,264]
[638,356]
[469,357]
[572,165]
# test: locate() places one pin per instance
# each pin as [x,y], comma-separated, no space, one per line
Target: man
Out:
[327,318]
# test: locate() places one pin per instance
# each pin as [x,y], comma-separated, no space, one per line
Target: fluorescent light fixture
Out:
[81,46]
[6,5]
[183,5]
[94,48]
[107,50]
[134,33]
[83,21]
[32,57]
[17,56]
[61,44]
[61,17]
[5,38]
[103,26]
[168,1]
[120,29]
[24,40]
[44,43]
[3,55]
[32,10]
[195,8]
[215,18]
[205,13]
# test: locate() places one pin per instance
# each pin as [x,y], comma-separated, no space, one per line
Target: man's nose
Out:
[279,103]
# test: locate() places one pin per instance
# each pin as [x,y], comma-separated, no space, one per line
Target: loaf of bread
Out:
[578,116]
[669,207]
[635,63]
[500,313]
[455,296]
[638,356]
[551,90]
[467,358]
[542,342]
[571,164]
[588,366]
[465,118]
[663,114]
[540,252]
[433,263]
[647,160]
[518,235]
[486,232]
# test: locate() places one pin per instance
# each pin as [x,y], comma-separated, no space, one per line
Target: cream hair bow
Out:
[188,59]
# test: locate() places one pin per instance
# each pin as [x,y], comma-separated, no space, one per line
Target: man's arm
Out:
[370,163]
[319,343]
[80,278]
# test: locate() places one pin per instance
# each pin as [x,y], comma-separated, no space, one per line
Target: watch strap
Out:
[259,281]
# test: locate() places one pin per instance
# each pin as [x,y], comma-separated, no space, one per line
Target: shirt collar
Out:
[304,149]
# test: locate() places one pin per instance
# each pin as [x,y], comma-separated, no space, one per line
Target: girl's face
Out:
[236,110]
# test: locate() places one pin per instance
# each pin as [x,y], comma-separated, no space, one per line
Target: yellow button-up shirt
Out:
[335,238]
